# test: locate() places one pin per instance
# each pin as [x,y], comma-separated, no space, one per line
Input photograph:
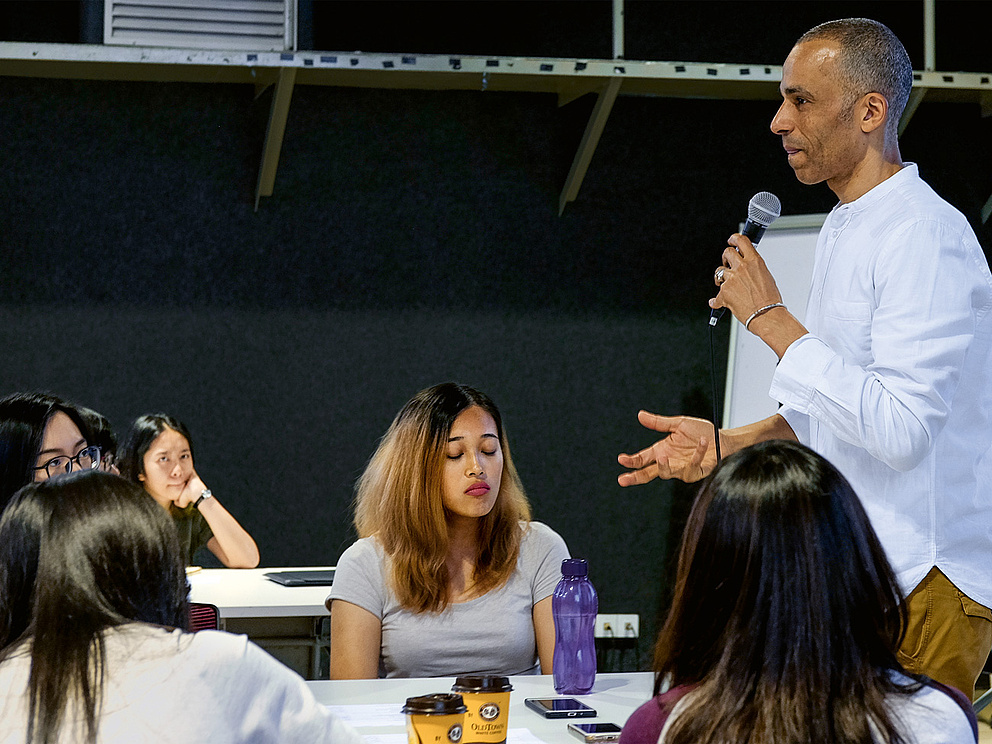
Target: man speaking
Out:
[890,378]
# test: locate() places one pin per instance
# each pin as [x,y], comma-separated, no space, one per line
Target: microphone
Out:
[763,209]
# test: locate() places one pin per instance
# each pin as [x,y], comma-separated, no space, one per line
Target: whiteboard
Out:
[787,246]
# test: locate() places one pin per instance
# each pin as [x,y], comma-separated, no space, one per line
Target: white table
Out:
[614,696]
[288,621]
[245,592]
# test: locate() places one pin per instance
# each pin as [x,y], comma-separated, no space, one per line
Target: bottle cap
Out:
[573,567]
[438,704]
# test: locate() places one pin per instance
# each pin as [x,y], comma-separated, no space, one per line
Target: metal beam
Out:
[590,138]
[278,113]
[618,32]
[929,35]
[929,61]
[566,78]
[915,99]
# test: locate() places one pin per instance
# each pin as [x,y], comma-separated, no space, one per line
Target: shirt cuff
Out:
[799,371]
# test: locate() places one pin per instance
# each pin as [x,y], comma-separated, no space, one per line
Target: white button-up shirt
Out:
[893,382]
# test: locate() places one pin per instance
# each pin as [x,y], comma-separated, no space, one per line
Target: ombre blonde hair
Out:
[398,500]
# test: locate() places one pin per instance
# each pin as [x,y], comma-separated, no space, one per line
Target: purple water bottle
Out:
[574,606]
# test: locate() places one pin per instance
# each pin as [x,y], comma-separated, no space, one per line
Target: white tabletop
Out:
[245,592]
[614,696]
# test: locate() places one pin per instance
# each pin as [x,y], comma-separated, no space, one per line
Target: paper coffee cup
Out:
[487,699]
[435,719]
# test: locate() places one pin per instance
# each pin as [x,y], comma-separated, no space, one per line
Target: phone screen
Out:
[597,728]
[560,707]
[595,732]
[561,704]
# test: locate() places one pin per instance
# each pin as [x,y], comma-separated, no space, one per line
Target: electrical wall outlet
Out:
[618,626]
[606,626]
[627,626]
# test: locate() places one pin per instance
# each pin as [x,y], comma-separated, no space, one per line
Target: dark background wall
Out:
[413,237]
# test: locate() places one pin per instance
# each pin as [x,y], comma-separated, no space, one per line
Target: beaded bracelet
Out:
[761,311]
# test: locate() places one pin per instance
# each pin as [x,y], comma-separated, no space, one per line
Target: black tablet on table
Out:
[322,577]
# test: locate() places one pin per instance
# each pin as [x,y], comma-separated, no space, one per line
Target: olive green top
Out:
[194,532]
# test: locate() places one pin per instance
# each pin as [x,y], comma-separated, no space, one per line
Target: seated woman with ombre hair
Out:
[158,455]
[92,596]
[785,620]
[450,575]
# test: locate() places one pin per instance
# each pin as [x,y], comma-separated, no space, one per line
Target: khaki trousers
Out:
[949,634]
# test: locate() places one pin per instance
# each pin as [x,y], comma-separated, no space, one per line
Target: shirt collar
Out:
[907,173]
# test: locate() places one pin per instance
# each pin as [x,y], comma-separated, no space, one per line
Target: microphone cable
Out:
[763,209]
[716,400]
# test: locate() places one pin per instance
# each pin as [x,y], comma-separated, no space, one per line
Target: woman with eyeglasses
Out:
[92,648]
[157,454]
[450,576]
[41,436]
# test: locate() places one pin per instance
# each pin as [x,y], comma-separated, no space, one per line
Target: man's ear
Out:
[874,110]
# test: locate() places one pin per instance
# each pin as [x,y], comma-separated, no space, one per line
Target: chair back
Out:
[203,617]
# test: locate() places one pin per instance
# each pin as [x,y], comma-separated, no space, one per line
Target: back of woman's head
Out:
[783,591]
[101,551]
[23,417]
[145,430]
[778,549]
[21,527]
[103,554]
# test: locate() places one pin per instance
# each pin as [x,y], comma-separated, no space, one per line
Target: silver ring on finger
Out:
[718,275]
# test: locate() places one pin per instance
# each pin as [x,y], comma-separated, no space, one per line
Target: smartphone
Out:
[560,707]
[595,731]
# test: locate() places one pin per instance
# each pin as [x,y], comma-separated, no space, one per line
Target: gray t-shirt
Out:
[492,634]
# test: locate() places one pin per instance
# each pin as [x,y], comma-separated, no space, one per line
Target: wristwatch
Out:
[204,494]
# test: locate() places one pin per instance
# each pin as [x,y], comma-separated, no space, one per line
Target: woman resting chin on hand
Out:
[158,455]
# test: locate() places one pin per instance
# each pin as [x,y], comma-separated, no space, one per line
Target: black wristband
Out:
[204,494]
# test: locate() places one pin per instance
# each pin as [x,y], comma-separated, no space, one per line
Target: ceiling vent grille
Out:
[257,25]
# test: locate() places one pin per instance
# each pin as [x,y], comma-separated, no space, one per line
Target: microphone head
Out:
[764,208]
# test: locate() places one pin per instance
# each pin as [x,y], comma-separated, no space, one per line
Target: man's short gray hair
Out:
[874,60]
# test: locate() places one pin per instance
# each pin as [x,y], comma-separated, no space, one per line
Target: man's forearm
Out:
[773,427]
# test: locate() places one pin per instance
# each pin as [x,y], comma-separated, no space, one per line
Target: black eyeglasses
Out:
[85,459]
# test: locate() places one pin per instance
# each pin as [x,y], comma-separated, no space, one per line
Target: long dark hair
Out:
[23,417]
[21,525]
[145,430]
[100,433]
[786,613]
[82,553]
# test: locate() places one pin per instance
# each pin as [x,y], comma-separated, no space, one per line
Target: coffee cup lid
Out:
[437,704]
[483,683]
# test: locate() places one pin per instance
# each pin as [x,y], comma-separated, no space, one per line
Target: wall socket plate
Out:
[629,626]
[617,626]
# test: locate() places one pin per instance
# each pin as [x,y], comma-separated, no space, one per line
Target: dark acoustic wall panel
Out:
[413,237]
